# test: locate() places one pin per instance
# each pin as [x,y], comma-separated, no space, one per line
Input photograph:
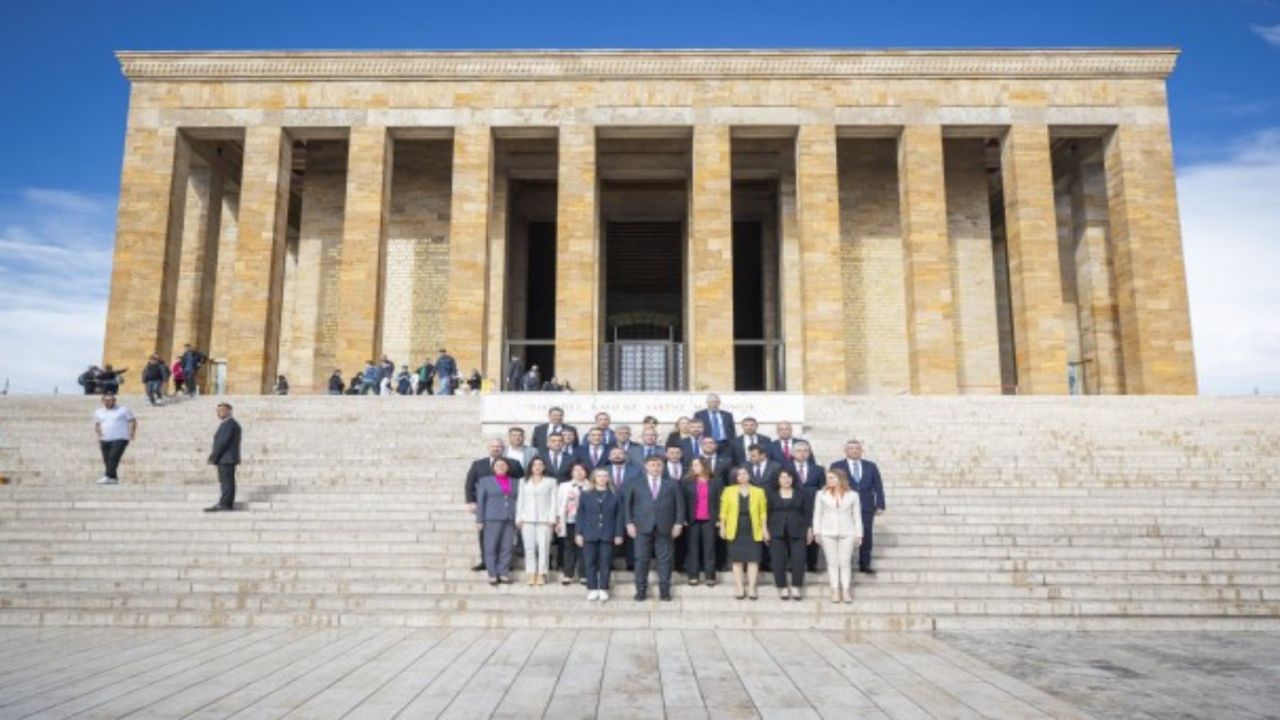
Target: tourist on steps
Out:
[535,517]
[598,529]
[225,456]
[837,524]
[743,510]
[496,498]
[115,427]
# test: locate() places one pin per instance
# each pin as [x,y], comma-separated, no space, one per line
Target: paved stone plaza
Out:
[473,673]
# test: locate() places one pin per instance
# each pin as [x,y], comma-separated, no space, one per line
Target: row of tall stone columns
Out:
[149,294]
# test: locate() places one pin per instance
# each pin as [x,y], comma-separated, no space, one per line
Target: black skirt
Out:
[744,548]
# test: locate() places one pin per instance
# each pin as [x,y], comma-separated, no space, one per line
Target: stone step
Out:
[724,590]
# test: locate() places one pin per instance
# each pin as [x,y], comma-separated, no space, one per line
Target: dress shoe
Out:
[665,597]
[867,571]
[214,508]
[478,567]
[641,596]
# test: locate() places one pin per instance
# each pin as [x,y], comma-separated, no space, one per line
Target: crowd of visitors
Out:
[708,499]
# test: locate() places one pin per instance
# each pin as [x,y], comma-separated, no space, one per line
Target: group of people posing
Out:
[381,378]
[708,494]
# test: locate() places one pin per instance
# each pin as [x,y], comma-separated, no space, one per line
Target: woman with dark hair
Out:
[742,514]
[496,498]
[535,517]
[702,497]
[568,500]
[789,532]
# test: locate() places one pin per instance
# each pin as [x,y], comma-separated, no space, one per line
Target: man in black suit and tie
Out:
[483,468]
[674,465]
[864,477]
[621,471]
[781,449]
[559,461]
[692,445]
[596,452]
[647,447]
[750,436]
[806,471]
[226,456]
[654,512]
[764,472]
[607,435]
[718,465]
[716,423]
[555,423]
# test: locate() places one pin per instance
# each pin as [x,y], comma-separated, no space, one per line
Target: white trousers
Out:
[839,553]
[537,547]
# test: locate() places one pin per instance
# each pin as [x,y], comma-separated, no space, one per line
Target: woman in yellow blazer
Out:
[742,517]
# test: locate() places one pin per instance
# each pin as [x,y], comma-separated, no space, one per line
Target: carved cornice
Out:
[646,64]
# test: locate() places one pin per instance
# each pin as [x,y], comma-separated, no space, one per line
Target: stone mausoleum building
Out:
[825,222]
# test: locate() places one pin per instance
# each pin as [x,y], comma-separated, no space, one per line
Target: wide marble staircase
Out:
[1054,513]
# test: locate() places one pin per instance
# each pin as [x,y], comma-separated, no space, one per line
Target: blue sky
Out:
[65,101]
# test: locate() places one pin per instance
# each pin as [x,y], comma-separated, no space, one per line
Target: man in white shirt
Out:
[115,426]
[517,450]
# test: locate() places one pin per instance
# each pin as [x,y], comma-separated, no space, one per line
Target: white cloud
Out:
[1231,238]
[1270,34]
[55,270]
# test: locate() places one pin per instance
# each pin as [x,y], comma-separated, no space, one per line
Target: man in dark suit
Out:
[864,477]
[716,423]
[781,449]
[555,423]
[622,439]
[621,471]
[515,372]
[559,461]
[483,468]
[806,471]
[764,472]
[654,511]
[647,446]
[692,445]
[604,423]
[750,436]
[718,465]
[226,456]
[595,453]
[674,465]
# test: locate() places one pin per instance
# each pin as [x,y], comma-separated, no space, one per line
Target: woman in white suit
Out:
[837,524]
[535,518]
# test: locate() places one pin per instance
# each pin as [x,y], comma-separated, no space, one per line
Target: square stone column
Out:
[198,258]
[709,337]
[973,276]
[790,295]
[1151,279]
[144,270]
[930,317]
[253,342]
[1095,281]
[465,314]
[363,255]
[822,298]
[578,259]
[1035,280]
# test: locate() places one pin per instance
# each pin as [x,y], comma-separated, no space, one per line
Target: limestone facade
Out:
[941,222]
